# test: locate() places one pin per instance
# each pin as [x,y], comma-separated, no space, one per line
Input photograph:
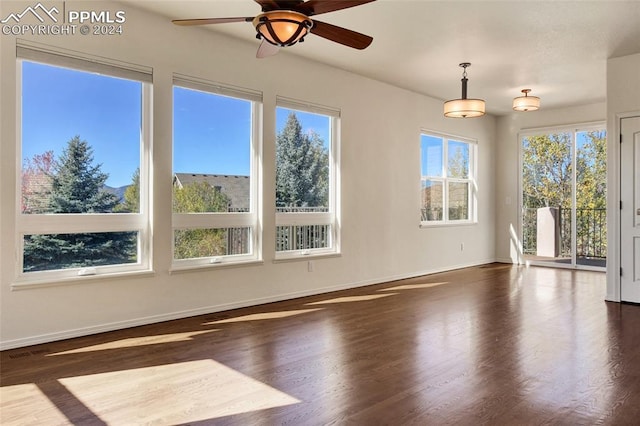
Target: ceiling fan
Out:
[285,22]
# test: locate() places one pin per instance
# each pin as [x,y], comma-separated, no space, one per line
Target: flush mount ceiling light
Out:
[463,107]
[526,102]
[282,27]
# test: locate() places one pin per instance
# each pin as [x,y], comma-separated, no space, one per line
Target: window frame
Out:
[445,180]
[224,220]
[80,223]
[330,218]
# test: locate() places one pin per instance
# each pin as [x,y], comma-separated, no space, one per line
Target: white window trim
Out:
[249,220]
[331,217]
[29,224]
[445,180]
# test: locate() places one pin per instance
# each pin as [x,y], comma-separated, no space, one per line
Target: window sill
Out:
[303,257]
[425,225]
[28,284]
[179,269]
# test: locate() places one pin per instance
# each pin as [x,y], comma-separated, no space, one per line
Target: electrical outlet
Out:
[461,246]
[310,266]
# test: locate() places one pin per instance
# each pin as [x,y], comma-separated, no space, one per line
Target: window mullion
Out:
[304,219]
[212,220]
[445,183]
[79,223]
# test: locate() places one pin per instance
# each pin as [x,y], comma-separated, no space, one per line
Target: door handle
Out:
[638,212]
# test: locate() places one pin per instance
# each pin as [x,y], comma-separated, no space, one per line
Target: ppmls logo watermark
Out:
[42,20]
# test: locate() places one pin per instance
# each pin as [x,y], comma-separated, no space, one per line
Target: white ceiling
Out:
[558,49]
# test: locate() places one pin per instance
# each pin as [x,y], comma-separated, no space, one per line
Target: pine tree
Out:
[302,167]
[77,186]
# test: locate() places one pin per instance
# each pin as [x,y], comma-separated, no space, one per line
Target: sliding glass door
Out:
[563,181]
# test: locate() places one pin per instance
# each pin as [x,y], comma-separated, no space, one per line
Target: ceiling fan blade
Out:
[207,21]
[268,5]
[267,49]
[316,7]
[341,35]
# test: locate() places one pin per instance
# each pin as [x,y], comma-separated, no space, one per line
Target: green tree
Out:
[591,171]
[131,202]
[302,167]
[199,197]
[547,171]
[547,180]
[77,186]
[591,198]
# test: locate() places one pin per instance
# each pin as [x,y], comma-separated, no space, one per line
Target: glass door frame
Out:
[572,130]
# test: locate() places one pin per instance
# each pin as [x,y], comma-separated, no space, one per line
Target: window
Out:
[215,174]
[83,183]
[306,179]
[447,179]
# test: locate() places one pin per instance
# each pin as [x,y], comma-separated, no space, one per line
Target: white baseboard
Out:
[506,260]
[118,325]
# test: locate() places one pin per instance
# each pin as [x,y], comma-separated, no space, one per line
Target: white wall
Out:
[623,99]
[381,239]
[508,160]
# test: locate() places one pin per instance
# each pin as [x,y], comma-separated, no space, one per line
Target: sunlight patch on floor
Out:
[204,389]
[27,405]
[351,299]
[263,316]
[137,341]
[413,286]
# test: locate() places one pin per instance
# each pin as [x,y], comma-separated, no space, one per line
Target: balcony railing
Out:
[304,237]
[591,232]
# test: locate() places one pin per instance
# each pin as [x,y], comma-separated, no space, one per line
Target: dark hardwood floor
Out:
[496,344]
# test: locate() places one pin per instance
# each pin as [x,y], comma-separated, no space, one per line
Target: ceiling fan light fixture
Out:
[282,27]
[526,102]
[464,107]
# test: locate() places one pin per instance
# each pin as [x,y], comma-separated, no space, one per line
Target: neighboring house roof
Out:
[237,188]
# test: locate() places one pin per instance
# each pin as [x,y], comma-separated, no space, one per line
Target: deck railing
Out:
[302,237]
[288,237]
[591,232]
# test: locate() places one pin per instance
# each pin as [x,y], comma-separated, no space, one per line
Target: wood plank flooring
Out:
[497,344]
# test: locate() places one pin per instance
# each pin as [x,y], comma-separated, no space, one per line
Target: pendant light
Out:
[526,102]
[464,107]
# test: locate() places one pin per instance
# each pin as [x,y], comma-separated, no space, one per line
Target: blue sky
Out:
[432,154]
[58,104]
[211,133]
